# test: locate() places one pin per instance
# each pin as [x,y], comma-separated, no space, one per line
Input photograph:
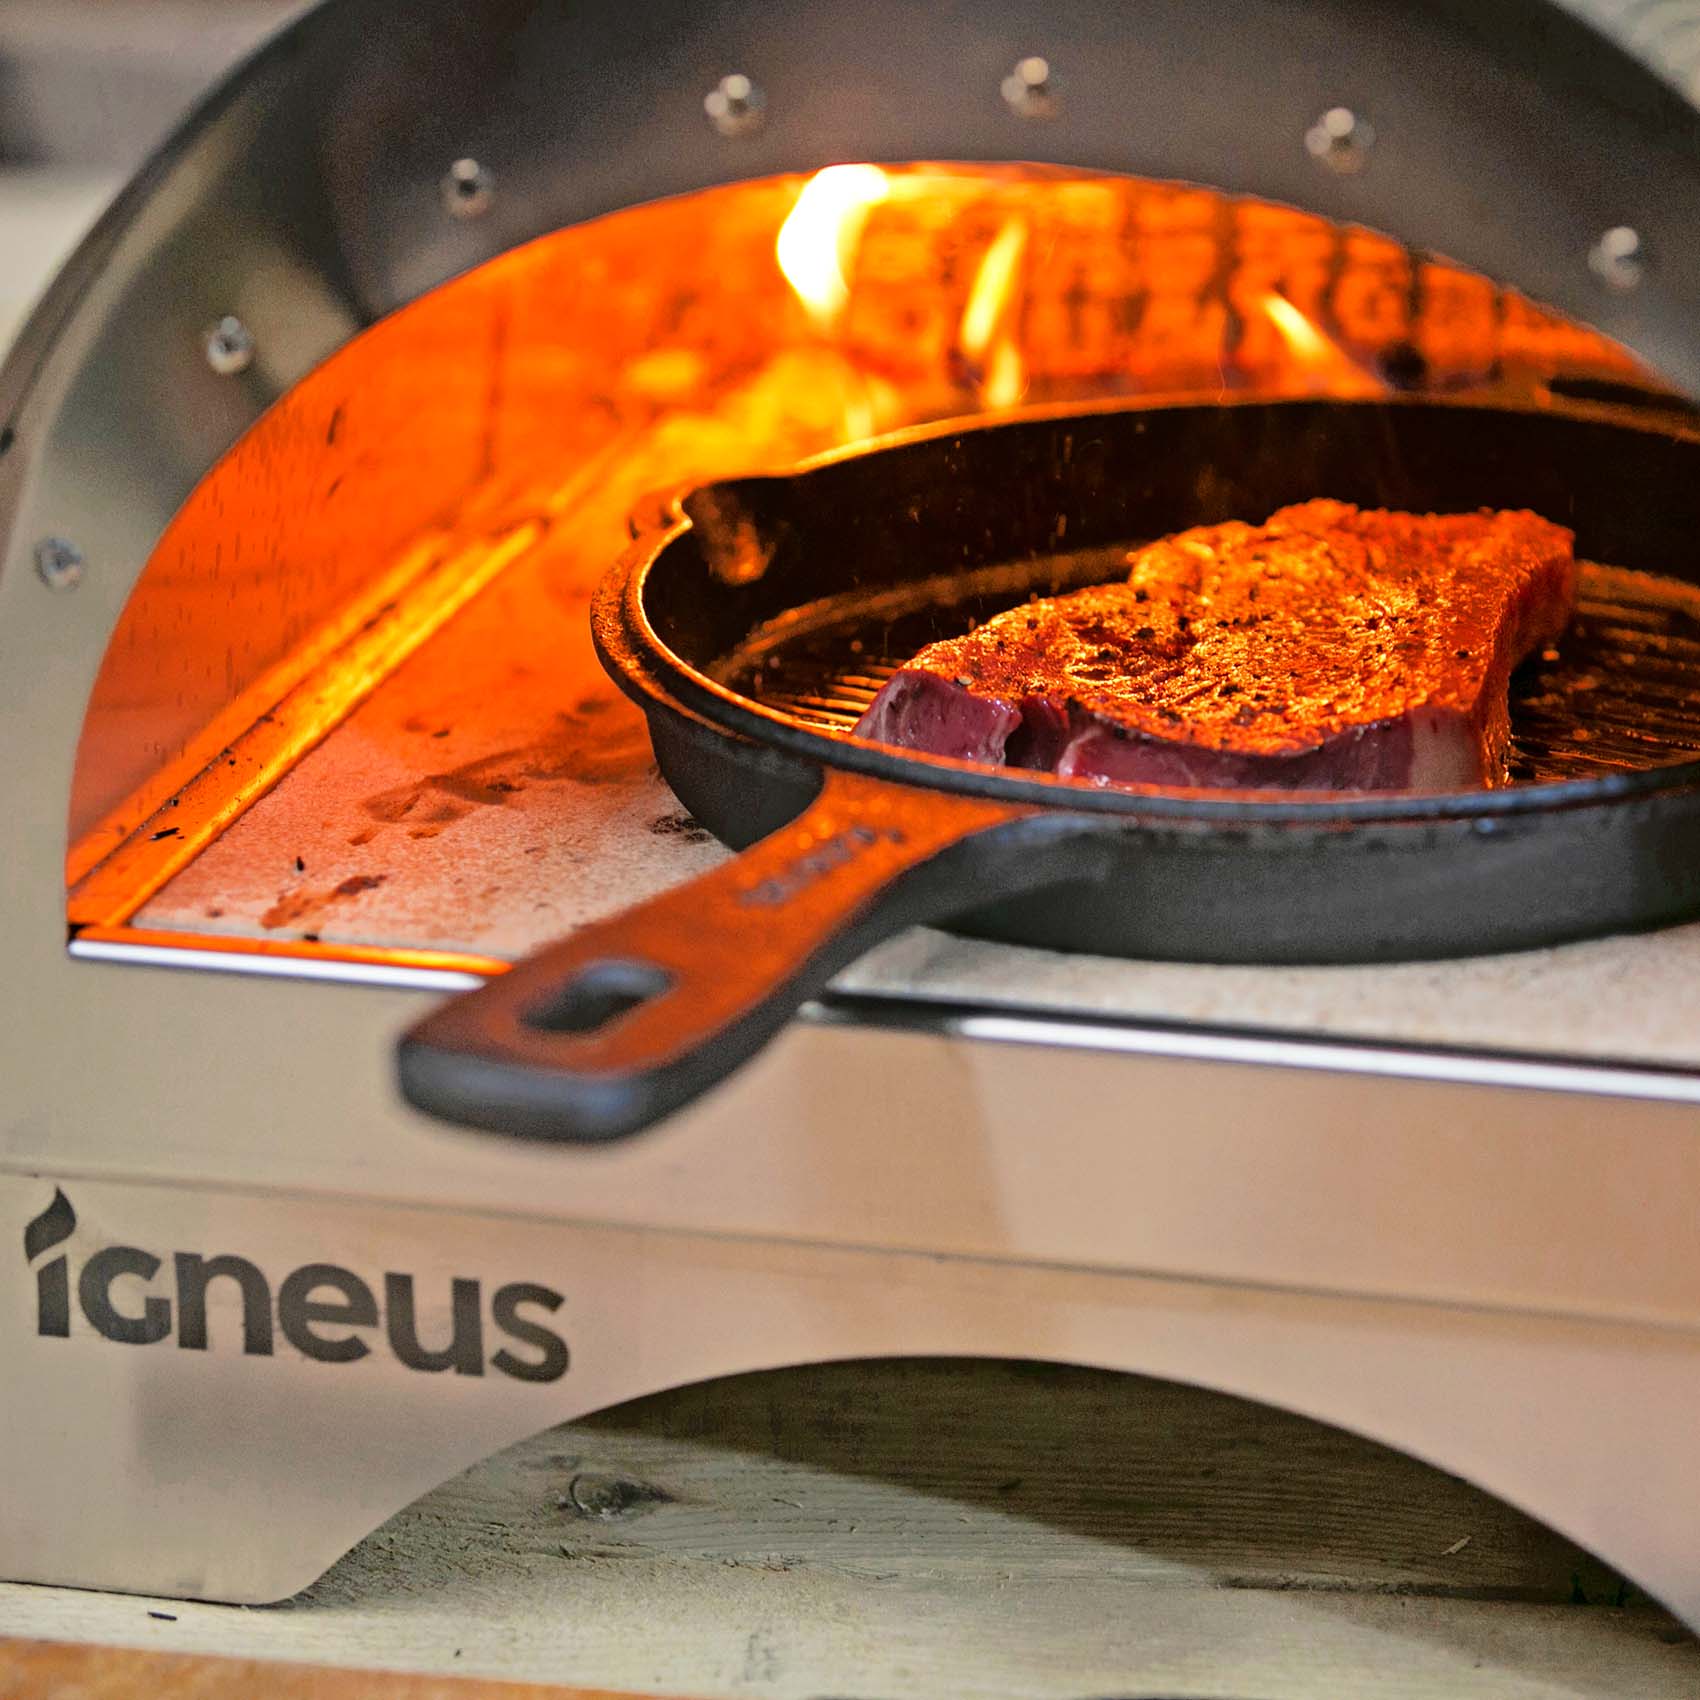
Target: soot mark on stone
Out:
[681,826]
[290,907]
[306,904]
[615,747]
[391,806]
[356,883]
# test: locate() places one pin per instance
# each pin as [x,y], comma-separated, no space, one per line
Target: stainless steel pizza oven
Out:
[314,455]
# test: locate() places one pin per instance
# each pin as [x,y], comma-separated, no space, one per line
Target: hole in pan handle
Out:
[605,1033]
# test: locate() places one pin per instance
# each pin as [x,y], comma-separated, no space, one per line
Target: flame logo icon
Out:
[52,1227]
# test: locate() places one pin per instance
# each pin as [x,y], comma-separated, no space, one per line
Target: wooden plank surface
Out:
[46,1670]
[953,1528]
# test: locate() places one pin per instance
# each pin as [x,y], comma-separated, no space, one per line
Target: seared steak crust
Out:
[1331,648]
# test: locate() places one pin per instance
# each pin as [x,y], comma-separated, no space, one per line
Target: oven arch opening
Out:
[505,426]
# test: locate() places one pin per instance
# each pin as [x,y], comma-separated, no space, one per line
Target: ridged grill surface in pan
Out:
[1620,690]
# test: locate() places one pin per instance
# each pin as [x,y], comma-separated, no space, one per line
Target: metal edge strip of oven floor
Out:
[1200,1042]
[1178,1041]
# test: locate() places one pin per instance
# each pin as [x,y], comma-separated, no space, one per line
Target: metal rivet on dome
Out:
[1340,140]
[468,189]
[1619,258]
[59,562]
[230,347]
[1029,90]
[734,105]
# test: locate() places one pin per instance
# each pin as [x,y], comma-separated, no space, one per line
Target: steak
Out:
[1330,649]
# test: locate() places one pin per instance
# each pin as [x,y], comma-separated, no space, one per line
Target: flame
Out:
[993,285]
[1005,382]
[1327,367]
[985,335]
[821,233]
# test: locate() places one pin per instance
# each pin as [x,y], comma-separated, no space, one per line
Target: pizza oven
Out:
[312,462]
[370,340]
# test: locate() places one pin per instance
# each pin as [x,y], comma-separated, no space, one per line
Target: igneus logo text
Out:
[325,1311]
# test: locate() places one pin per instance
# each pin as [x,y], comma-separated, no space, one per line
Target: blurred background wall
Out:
[87,88]
[95,83]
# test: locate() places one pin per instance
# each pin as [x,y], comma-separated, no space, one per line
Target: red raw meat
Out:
[1330,649]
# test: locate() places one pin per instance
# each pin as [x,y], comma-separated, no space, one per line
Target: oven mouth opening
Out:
[356,669]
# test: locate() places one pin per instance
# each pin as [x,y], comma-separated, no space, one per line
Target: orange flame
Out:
[1324,365]
[986,335]
[821,232]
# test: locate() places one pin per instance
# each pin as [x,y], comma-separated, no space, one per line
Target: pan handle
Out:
[601,1035]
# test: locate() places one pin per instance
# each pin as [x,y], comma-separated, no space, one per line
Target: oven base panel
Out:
[230,1473]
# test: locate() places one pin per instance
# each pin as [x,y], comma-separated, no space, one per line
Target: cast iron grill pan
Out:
[755,623]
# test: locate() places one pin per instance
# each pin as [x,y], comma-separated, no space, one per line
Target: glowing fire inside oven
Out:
[817,249]
[990,334]
[820,233]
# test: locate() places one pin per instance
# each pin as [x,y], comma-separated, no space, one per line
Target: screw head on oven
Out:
[735,106]
[1029,90]
[468,189]
[230,347]
[1340,141]
[1619,258]
[59,562]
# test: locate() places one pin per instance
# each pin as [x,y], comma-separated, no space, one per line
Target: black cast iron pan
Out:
[754,623]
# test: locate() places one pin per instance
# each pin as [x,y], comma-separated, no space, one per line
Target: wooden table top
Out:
[47,1670]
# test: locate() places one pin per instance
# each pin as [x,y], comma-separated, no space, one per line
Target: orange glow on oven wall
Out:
[820,234]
